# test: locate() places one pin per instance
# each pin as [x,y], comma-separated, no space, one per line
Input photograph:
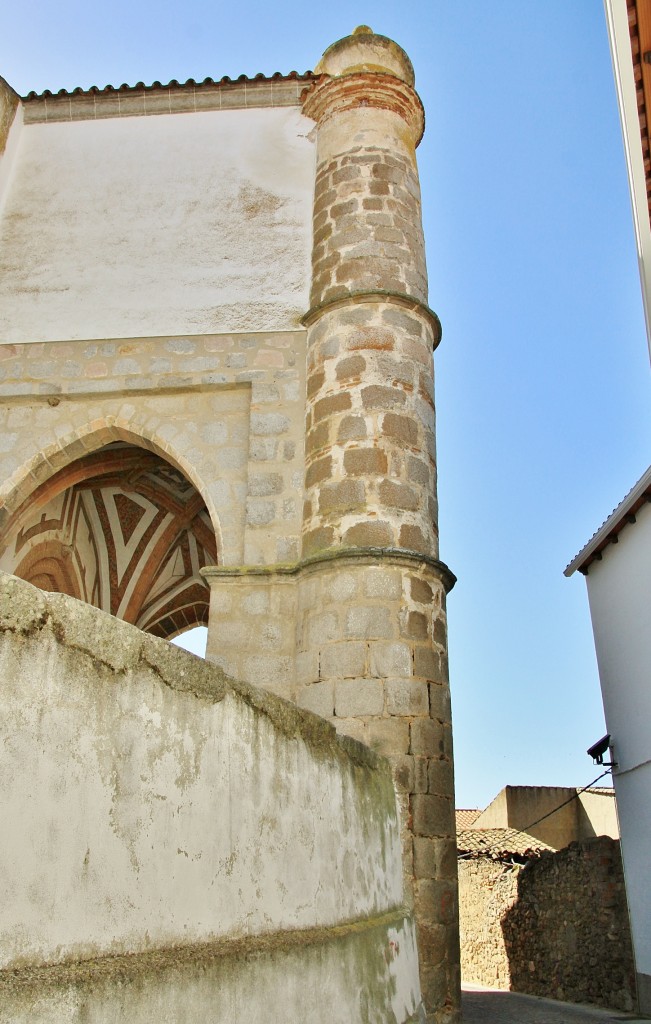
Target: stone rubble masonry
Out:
[367,225]
[557,928]
[8,105]
[370,450]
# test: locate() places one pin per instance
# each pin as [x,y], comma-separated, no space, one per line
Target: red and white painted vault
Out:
[123,530]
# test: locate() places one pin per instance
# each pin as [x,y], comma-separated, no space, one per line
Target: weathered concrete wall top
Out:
[149,802]
[141,226]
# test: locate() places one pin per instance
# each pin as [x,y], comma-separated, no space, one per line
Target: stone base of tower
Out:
[358,636]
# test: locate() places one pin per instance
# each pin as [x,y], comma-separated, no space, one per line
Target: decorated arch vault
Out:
[122,529]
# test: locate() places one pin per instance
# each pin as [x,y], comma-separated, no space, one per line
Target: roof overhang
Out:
[622,516]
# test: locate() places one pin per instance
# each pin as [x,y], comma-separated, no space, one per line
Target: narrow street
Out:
[489,1006]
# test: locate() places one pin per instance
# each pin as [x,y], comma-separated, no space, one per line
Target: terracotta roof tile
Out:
[306,76]
[498,843]
[466,817]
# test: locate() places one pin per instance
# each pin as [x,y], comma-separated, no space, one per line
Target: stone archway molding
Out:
[20,488]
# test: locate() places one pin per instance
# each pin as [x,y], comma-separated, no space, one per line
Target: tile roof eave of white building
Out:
[611,525]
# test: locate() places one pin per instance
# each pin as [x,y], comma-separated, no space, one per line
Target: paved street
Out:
[487,1006]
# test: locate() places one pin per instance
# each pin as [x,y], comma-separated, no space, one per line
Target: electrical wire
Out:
[574,796]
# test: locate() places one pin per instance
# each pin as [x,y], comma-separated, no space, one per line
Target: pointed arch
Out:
[115,519]
[27,479]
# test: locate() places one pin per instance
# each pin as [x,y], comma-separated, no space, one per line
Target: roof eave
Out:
[608,532]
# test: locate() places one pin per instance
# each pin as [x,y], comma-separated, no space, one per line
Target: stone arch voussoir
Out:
[57,455]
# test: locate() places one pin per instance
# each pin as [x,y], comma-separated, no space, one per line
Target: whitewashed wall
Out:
[619,590]
[161,822]
[177,224]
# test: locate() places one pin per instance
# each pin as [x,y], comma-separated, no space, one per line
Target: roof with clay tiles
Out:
[79,104]
[466,816]
[639,26]
[498,842]
[191,83]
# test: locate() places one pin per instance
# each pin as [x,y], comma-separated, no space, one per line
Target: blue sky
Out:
[543,371]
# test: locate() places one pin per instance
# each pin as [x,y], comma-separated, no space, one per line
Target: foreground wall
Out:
[179,846]
[557,928]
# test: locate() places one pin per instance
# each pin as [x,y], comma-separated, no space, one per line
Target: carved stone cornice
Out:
[414,560]
[329,96]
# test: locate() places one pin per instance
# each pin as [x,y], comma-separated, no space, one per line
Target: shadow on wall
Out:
[567,934]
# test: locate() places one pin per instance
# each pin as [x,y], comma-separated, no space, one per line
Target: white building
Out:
[617,560]
[617,567]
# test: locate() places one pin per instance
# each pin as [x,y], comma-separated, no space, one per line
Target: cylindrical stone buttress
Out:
[371,630]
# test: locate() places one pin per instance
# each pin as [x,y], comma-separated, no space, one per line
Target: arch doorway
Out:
[122,529]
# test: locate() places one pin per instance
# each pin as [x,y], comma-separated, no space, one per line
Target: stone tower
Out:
[370,515]
[362,612]
[250,443]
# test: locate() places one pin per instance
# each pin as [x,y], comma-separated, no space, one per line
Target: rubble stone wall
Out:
[558,927]
[487,888]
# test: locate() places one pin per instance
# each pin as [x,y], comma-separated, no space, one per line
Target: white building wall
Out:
[620,47]
[619,591]
[185,223]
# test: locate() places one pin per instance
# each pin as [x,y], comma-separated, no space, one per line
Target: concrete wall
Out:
[520,806]
[597,815]
[496,815]
[556,928]
[145,226]
[591,813]
[619,590]
[171,834]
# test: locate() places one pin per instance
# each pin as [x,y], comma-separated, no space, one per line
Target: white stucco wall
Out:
[166,829]
[620,48]
[619,590]
[154,226]
[143,809]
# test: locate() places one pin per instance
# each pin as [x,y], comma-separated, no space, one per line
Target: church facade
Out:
[217,406]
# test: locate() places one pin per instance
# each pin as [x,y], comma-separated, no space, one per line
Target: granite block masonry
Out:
[218,402]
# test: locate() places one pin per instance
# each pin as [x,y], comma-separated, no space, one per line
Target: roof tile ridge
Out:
[93,90]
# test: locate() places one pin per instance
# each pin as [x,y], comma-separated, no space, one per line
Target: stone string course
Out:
[557,928]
